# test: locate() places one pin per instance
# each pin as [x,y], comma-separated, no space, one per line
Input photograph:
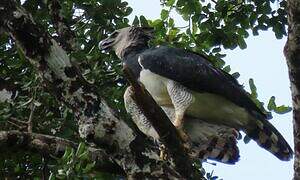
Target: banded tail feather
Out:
[220,148]
[269,138]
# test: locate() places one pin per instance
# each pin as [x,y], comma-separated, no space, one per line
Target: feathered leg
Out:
[181,99]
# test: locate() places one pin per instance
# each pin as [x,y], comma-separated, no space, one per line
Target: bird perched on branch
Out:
[193,87]
[208,141]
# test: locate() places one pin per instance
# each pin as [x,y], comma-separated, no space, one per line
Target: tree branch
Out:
[50,145]
[163,126]
[60,23]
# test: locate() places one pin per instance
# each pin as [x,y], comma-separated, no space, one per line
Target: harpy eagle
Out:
[188,83]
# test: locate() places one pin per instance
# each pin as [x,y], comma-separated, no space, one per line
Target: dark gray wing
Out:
[196,73]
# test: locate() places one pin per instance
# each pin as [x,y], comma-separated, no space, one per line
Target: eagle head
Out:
[124,39]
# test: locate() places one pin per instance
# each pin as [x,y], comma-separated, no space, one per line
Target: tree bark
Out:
[292,54]
[60,23]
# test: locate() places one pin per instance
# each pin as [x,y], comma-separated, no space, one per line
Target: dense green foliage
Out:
[212,26]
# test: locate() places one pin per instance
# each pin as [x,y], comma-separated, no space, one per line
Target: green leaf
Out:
[246,139]
[279,30]
[241,42]
[216,50]
[128,11]
[21,54]
[236,75]
[84,155]
[157,22]
[89,167]
[17,168]
[283,109]
[172,33]
[171,22]
[253,18]
[144,22]
[135,21]
[170,2]
[219,62]
[227,68]
[26,103]
[51,177]
[80,149]
[67,153]
[255,31]
[164,14]
[277,109]
[71,155]
[253,88]
[271,104]
[78,166]
[245,23]
[242,32]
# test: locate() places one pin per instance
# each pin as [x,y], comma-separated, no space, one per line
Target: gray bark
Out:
[292,54]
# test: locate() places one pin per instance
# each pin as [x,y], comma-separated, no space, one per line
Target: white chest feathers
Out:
[207,106]
[156,85]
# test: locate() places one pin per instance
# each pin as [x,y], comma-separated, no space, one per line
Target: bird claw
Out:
[185,138]
[186,145]
[163,155]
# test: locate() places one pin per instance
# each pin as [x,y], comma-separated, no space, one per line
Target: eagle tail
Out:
[222,149]
[269,138]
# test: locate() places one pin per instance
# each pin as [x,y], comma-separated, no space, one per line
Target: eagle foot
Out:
[185,138]
[163,153]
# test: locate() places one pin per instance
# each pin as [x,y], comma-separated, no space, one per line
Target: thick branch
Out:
[50,145]
[97,121]
[292,53]
[60,23]
[163,126]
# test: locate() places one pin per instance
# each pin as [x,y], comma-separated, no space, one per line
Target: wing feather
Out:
[196,73]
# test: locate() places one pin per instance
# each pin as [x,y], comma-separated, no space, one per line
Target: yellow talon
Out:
[163,153]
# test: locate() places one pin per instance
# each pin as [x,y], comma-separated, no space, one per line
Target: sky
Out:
[262,60]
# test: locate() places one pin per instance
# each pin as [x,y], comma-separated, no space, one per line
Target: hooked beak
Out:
[106,44]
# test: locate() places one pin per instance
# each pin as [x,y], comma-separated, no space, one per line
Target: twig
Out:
[182,27]
[14,124]
[16,120]
[32,108]
[44,169]
[29,122]
[214,1]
